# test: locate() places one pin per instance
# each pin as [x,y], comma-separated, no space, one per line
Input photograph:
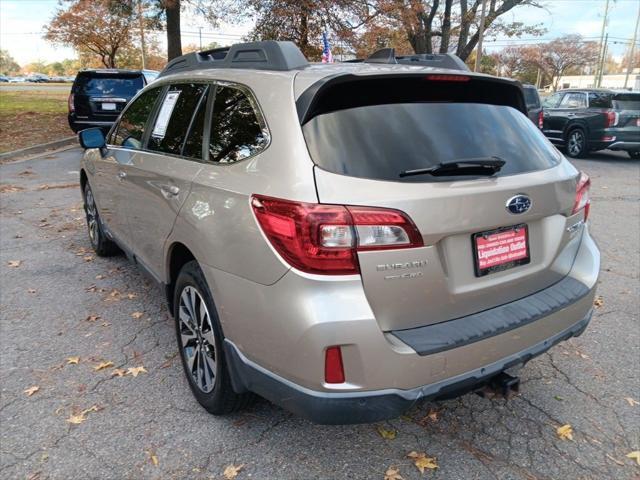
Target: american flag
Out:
[326,50]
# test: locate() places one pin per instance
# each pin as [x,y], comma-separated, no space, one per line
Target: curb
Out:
[40,148]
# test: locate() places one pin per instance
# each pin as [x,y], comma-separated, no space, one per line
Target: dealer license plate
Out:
[500,249]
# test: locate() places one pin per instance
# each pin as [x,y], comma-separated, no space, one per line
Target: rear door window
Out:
[238,130]
[108,85]
[380,141]
[553,101]
[174,117]
[131,128]
[574,100]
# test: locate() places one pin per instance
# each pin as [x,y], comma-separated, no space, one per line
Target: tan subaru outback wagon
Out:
[346,239]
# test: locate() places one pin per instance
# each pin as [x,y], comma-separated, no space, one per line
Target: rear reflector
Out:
[333,368]
[582,200]
[448,78]
[325,239]
[70,103]
[540,120]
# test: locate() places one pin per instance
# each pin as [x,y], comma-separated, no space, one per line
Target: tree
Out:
[557,57]
[303,21]
[105,35]
[448,25]
[7,64]
[174,43]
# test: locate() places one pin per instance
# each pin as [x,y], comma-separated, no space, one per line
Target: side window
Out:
[599,100]
[174,117]
[574,100]
[237,128]
[553,100]
[130,130]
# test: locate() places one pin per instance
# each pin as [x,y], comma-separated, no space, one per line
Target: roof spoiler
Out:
[438,60]
[265,55]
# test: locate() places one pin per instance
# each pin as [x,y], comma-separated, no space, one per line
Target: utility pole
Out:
[538,79]
[602,60]
[200,35]
[141,25]
[480,36]
[601,54]
[632,50]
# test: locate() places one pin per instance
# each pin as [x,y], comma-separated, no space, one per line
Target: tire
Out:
[99,241]
[634,155]
[576,144]
[201,344]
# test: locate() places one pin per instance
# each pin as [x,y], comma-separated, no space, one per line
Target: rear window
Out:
[531,97]
[626,101]
[380,141]
[108,85]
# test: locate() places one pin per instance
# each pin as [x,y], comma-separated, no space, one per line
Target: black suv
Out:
[584,120]
[534,106]
[98,96]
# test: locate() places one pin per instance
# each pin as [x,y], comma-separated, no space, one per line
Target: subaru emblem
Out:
[518,204]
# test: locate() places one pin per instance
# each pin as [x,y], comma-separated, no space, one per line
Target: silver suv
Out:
[346,239]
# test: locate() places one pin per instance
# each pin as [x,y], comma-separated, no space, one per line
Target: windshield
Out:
[380,141]
[108,85]
[626,101]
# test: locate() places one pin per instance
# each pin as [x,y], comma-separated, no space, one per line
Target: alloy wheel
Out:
[197,339]
[576,142]
[92,216]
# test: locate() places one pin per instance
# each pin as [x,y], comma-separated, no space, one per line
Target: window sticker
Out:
[160,128]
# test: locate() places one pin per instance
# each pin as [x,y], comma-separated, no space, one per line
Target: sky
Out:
[22,23]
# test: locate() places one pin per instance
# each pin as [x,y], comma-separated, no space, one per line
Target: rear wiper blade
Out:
[469,166]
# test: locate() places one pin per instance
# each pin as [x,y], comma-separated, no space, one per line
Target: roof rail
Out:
[265,55]
[439,60]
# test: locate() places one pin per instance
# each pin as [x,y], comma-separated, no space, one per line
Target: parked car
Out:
[4,79]
[17,79]
[98,96]
[327,241]
[534,105]
[584,120]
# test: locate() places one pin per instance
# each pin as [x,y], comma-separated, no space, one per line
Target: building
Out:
[588,81]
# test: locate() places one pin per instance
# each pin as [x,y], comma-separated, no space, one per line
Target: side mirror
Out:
[92,138]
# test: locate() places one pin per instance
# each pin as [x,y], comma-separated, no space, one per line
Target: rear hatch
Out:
[627,108]
[101,96]
[364,135]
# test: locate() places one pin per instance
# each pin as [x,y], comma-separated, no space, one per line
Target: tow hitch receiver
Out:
[502,385]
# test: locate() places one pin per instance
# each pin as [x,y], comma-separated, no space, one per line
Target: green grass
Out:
[37,101]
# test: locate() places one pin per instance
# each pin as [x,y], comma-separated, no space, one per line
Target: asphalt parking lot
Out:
[58,301]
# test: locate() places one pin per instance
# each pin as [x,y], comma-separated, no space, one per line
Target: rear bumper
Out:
[626,146]
[77,125]
[372,406]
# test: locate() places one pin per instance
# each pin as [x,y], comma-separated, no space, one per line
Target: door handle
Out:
[122,175]
[170,190]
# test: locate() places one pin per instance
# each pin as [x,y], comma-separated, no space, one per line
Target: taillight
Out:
[333,368]
[325,239]
[72,107]
[582,196]
[540,120]
[611,119]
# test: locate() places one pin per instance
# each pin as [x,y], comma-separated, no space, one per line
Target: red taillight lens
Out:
[448,78]
[325,239]
[611,119]
[582,195]
[70,103]
[333,368]
[540,120]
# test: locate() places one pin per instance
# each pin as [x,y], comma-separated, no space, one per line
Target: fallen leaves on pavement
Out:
[421,461]
[31,390]
[392,473]
[631,401]
[73,360]
[46,186]
[635,455]
[131,296]
[153,457]
[232,471]
[387,434]
[14,263]
[31,290]
[102,366]
[135,371]
[598,302]
[565,432]
[118,372]
[4,188]
[137,315]
[92,318]
[77,419]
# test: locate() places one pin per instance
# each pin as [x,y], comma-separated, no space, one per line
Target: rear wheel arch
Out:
[178,256]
